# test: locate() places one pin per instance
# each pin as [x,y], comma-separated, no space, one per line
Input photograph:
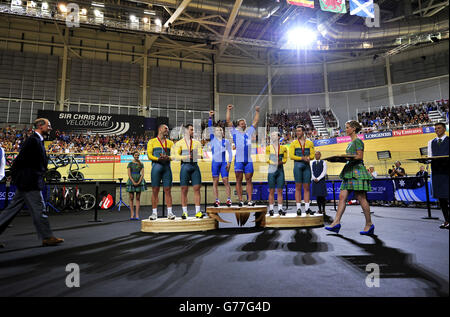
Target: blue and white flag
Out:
[412,189]
[362,8]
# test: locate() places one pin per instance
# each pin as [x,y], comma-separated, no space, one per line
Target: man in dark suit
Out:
[422,172]
[27,172]
[439,146]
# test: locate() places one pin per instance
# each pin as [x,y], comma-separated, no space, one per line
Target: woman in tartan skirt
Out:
[355,177]
[135,184]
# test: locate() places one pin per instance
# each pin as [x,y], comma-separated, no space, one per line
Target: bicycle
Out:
[75,174]
[52,174]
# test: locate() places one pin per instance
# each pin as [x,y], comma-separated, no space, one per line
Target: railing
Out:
[336,118]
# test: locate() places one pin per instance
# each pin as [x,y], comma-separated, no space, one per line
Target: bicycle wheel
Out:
[75,175]
[52,176]
[87,202]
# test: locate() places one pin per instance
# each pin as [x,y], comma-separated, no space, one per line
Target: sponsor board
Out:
[345,139]
[129,158]
[325,142]
[93,159]
[407,132]
[102,124]
[378,135]
[428,129]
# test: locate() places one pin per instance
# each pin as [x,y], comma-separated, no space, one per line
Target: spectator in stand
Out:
[422,172]
[397,171]
[372,171]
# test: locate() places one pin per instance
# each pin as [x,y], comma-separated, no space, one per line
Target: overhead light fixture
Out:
[134,19]
[300,37]
[98,13]
[148,12]
[44,6]
[62,7]
[98,4]
[31,4]
[145,20]
[16,3]
[158,22]
[83,11]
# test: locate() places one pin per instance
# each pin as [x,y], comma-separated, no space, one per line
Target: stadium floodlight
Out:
[83,11]
[301,37]
[158,22]
[44,6]
[16,3]
[134,19]
[62,7]
[98,13]
[145,20]
[98,4]
[298,38]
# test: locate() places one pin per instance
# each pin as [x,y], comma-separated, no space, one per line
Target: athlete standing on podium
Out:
[276,155]
[243,164]
[158,151]
[301,151]
[188,151]
[220,165]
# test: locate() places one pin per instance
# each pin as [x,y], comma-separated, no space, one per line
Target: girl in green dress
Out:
[355,177]
[135,184]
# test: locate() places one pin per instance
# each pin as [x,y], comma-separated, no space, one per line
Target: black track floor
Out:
[116,259]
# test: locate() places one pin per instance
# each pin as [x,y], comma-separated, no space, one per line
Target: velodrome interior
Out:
[216,53]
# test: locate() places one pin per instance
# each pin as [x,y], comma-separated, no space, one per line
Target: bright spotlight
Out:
[145,20]
[83,11]
[98,13]
[158,22]
[301,37]
[62,7]
[133,19]
[44,6]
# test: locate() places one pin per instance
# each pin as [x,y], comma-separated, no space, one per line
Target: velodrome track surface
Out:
[401,148]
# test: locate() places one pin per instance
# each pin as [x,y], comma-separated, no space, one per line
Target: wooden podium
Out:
[242,214]
[294,221]
[263,220]
[178,225]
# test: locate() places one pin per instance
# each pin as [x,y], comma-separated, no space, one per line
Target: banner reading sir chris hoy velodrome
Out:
[95,123]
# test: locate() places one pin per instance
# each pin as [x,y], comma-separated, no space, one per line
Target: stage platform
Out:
[291,220]
[191,224]
[242,214]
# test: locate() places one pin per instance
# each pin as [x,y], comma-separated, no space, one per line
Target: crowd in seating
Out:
[401,117]
[287,122]
[11,140]
[89,143]
[387,118]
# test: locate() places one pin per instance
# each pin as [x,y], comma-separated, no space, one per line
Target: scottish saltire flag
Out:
[362,8]
[337,6]
[303,3]
[411,189]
